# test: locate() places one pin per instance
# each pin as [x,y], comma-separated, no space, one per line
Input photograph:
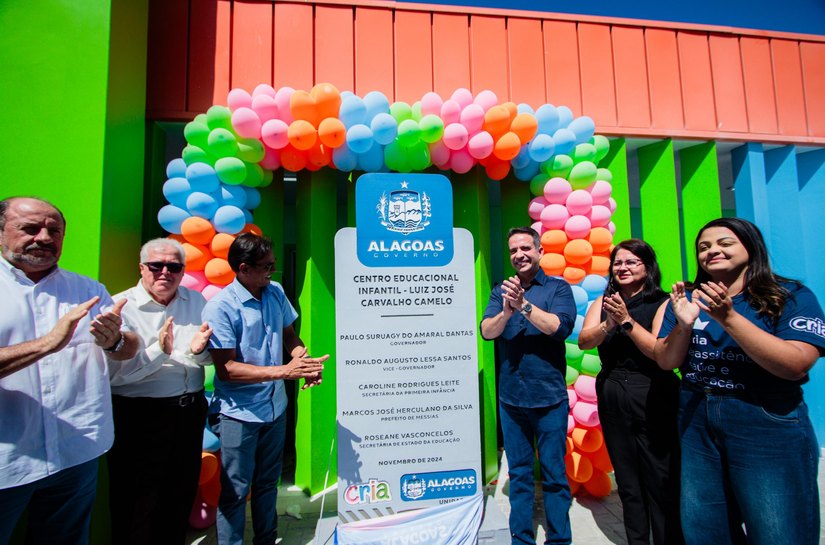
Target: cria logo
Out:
[809,325]
[439,484]
[373,491]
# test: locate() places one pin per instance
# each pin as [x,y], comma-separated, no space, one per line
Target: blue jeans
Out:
[60,506]
[743,462]
[546,427]
[251,456]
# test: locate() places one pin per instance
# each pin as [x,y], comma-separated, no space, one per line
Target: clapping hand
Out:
[713,298]
[686,311]
[106,327]
[200,339]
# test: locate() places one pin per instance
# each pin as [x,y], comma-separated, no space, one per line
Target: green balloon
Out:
[395,158]
[582,175]
[400,111]
[573,354]
[432,128]
[418,156]
[196,134]
[416,111]
[219,117]
[537,184]
[604,174]
[230,170]
[602,145]
[200,118]
[558,166]
[408,133]
[254,175]
[194,154]
[209,378]
[250,150]
[584,152]
[267,179]
[222,143]
[591,365]
[570,375]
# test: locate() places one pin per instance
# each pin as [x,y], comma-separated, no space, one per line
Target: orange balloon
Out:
[496,121]
[319,156]
[210,491]
[574,275]
[218,271]
[177,237]
[252,228]
[578,467]
[574,487]
[601,460]
[578,251]
[303,107]
[496,169]
[554,241]
[507,147]
[512,110]
[599,484]
[552,264]
[197,230]
[220,245]
[327,100]
[601,239]
[197,256]
[569,445]
[525,127]
[332,132]
[209,467]
[302,135]
[587,439]
[293,160]
[600,265]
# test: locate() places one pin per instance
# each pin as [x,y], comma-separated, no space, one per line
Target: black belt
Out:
[183,400]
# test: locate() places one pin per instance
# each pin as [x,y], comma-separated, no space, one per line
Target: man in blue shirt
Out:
[532,314]
[252,324]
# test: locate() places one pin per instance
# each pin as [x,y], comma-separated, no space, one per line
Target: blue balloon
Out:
[565,115]
[594,285]
[574,336]
[344,159]
[353,111]
[247,216]
[547,118]
[527,173]
[565,141]
[229,219]
[211,443]
[522,159]
[372,160]
[580,297]
[176,168]
[170,217]
[359,138]
[202,205]
[233,194]
[376,103]
[346,94]
[176,190]
[384,128]
[584,128]
[525,109]
[253,197]
[202,177]
[541,148]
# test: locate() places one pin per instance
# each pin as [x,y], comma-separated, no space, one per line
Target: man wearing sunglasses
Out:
[253,325]
[158,401]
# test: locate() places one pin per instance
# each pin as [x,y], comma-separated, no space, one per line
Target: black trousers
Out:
[154,467]
[639,418]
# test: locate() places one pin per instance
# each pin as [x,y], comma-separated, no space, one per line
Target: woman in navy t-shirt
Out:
[744,339]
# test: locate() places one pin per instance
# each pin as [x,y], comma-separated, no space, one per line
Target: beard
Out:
[37,257]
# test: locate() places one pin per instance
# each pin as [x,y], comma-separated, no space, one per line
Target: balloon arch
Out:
[231,151]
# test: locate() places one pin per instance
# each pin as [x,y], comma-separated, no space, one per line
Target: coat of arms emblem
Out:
[405,211]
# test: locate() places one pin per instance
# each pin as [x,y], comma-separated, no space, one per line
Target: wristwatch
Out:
[627,326]
[526,309]
[118,345]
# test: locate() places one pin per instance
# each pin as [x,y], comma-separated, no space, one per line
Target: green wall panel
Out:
[701,201]
[616,162]
[269,216]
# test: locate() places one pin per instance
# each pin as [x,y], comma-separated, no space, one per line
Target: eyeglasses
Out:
[268,267]
[158,266]
[630,264]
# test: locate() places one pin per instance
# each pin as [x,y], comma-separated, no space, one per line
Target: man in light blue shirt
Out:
[252,325]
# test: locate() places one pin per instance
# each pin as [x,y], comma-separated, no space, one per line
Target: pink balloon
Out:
[579,202]
[535,207]
[431,103]
[439,154]
[577,227]
[586,388]
[571,423]
[246,123]
[611,204]
[272,159]
[450,112]
[586,414]
[210,291]
[238,98]
[599,215]
[463,96]
[455,136]
[194,280]
[282,100]
[572,397]
[612,228]
[266,107]
[556,190]
[600,191]
[480,145]
[263,89]
[472,117]
[486,99]
[538,227]
[202,515]
[274,133]
[461,161]
[554,216]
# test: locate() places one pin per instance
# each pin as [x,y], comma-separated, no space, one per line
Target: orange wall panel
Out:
[166,56]
[697,83]
[790,95]
[759,95]
[630,66]
[561,61]
[208,69]
[663,76]
[488,56]
[813,74]
[334,46]
[598,85]
[251,44]
[293,56]
[413,55]
[373,51]
[451,53]
[526,61]
[728,87]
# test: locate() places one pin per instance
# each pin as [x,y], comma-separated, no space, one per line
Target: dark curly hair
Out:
[643,251]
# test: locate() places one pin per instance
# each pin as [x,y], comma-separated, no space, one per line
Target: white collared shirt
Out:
[56,413]
[152,372]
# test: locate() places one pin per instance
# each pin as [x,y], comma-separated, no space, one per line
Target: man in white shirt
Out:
[159,405]
[55,408]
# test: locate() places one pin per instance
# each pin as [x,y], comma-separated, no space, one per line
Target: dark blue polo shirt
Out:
[533,370]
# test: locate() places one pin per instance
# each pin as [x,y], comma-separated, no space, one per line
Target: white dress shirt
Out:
[152,372]
[56,413]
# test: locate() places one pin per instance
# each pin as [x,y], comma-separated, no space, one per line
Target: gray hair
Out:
[157,244]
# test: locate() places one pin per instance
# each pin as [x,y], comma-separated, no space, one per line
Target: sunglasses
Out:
[158,266]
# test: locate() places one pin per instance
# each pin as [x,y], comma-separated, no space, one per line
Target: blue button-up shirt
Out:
[533,369]
[254,329]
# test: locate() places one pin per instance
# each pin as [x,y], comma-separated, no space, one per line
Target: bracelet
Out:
[603,328]
[117,346]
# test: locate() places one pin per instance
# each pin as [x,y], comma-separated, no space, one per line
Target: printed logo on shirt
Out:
[700,325]
[808,325]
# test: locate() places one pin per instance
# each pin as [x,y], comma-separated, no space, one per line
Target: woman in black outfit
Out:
[638,401]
